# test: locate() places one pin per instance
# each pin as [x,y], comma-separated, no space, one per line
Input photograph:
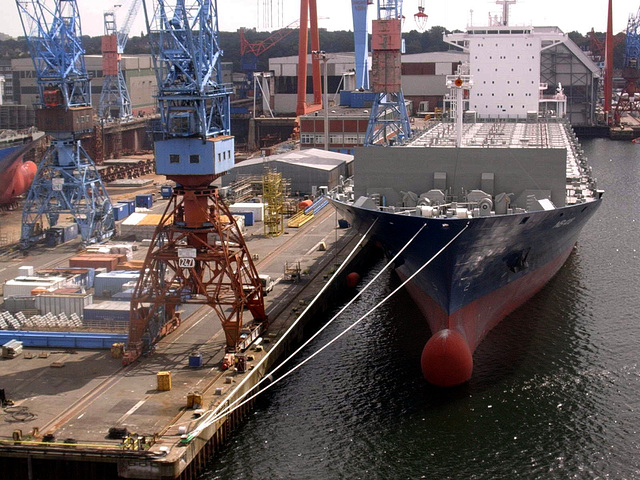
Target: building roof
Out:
[310,158]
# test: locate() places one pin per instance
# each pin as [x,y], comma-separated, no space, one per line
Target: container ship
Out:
[482,209]
[16,175]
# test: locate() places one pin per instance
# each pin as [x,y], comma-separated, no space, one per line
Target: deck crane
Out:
[197,253]
[67,181]
[388,119]
[115,102]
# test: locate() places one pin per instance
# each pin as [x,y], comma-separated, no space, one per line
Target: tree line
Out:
[331,42]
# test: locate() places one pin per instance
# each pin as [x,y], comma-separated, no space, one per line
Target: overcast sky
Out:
[569,15]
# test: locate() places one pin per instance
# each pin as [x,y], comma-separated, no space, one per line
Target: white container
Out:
[25,271]
[22,286]
[256,208]
[68,304]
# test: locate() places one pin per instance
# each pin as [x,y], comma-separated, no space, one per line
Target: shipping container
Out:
[166,191]
[107,312]
[67,303]
[109,262]
[82,277]
[25,271]
[256,208]
[106,284]
[248,217]
[19,303]
[69,231]
[127,209]
[120,211]
[144,201]
[22,286]
[124,296]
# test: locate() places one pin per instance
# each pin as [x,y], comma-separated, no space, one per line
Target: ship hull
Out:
[493,267]
[16,175]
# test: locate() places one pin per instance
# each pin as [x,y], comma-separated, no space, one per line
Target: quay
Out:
[79,414]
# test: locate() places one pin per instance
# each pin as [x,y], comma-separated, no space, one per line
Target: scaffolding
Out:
[273,190]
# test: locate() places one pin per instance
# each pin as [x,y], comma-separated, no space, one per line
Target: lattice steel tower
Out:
[197,253]
[389,119]
[67,181]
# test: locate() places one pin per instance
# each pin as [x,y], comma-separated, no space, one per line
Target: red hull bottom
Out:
[447,356]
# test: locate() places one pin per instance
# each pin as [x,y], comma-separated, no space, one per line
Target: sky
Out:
[569,15]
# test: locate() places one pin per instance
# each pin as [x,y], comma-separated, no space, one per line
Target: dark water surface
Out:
[555,391]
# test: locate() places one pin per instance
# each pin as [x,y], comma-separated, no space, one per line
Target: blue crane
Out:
[67,181]
[388,119]
[197,253]
[115,102]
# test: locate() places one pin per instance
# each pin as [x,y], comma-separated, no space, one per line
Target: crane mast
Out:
[67,181]
[115,102]
[197,254]
[389,119]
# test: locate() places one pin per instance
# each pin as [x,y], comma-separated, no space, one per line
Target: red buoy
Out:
[352,279]
[446,359]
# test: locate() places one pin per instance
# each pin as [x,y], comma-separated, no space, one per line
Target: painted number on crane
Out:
[186,262]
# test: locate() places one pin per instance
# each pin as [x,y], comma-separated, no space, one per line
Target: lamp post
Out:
[322,55]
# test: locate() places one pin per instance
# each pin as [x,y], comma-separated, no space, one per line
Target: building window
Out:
[351,138]
[319,140]
[306,138]
[173,158]
[335,138]
[195,158]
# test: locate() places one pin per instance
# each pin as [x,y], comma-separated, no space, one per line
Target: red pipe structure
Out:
[308,14]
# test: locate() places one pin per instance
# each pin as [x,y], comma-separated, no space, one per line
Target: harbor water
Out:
[555,391]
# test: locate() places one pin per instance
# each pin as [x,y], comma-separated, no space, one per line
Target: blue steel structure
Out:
[360,9]
[67,181]
[389,119]
[197,253]
[115,102]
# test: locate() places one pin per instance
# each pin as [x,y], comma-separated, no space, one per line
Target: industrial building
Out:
[304,169]
[137,69]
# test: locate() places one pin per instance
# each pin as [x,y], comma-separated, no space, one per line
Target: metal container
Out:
[248,217]
[67,303]
[110,262]
[127,208]
[144,201]
[107,284]
[166,191]
[256,208]
[195,359]
[19,303]
[110,312]
[120,211]
[22,286]
[69,231]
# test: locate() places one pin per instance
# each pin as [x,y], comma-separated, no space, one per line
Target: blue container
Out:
[166,191]
[127,209]
[120,211]
[144,201]
[248,217]
[132,205]
[195,360]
